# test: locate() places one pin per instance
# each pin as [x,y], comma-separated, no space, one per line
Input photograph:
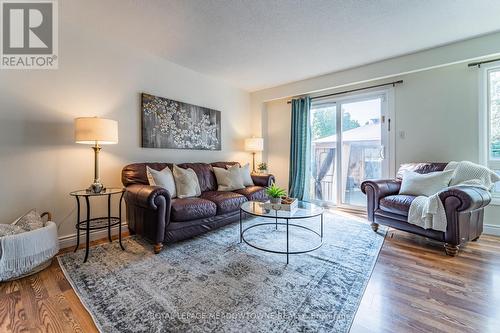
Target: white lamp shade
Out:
[254,144]
[94,130]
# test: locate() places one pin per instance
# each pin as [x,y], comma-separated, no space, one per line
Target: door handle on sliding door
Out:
[382,152]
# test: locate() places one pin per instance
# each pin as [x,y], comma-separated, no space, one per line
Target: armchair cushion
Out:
[396,204]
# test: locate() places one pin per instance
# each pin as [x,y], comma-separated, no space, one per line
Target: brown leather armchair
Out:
[464,206]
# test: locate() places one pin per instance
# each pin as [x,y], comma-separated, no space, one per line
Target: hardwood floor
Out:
[414,288]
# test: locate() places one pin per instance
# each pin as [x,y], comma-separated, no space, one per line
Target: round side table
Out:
[97,223]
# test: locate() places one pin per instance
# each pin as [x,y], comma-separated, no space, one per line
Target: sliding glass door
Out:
[350,136]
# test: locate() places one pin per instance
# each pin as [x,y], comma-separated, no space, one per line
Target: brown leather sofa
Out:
[464,206]
[152,213]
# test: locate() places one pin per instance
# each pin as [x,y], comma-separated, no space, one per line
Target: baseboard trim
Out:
[70,240]
[491,229]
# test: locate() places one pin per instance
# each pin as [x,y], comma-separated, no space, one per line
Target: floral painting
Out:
[176,125]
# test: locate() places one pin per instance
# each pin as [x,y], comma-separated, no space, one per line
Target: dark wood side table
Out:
[97,223]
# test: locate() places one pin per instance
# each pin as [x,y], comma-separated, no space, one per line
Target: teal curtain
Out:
[300,149]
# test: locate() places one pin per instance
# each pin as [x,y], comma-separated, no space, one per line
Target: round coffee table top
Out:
[305,210]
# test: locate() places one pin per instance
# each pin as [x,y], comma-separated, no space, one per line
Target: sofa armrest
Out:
[148,211]
[146,196]
[376,190]
[465,198]
[263,180]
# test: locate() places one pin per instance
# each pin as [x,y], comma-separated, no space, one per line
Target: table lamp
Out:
[96,131]
[254,145]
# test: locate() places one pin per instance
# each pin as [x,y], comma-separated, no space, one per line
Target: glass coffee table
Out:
[305,210]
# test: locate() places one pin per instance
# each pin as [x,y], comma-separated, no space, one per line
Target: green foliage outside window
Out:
[324,123]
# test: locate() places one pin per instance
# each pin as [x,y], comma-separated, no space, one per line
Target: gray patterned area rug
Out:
[215,284]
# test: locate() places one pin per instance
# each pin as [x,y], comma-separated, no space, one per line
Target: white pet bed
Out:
[28,252]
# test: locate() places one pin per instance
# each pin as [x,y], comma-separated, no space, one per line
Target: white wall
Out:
[277,139]
[437,108]
[39,162]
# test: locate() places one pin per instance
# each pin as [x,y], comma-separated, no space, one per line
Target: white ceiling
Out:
[255,44]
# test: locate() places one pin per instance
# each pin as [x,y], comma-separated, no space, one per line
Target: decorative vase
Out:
[275,200]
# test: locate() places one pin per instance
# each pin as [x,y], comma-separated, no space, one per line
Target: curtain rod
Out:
[479,63]
[358,89]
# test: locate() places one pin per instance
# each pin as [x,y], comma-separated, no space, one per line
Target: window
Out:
[490,119]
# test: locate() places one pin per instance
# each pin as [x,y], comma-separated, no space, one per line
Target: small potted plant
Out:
[262,167]
[275,193]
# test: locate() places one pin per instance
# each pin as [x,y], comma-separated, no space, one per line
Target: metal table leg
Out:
[287,247]
[109,217]
[87,240]
[120,224]
[276,228]
[77,223]
[321,226]
[241,226]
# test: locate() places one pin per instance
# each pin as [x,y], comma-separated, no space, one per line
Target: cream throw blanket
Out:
[429,213]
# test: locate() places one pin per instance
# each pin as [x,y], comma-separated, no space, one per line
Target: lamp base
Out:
[96,187]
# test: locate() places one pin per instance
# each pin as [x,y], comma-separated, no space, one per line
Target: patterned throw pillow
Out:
[9,229]
[29,221]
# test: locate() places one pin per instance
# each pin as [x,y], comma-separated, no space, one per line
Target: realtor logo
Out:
[29,34]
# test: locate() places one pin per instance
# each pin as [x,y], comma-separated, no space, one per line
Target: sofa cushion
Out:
[396,204]
[254,193]
[226,202]
[186,209]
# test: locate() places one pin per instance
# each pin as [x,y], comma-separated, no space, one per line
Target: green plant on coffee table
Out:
[262,167]
[275,193]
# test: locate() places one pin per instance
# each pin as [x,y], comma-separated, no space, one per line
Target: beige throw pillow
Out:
[229,179]
[186,182]
[245,173]
[425,184]
[163,178]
